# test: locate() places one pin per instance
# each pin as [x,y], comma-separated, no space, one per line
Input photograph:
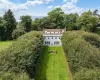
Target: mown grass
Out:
[4,44]
[52,66]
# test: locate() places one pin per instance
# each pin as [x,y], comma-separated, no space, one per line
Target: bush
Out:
[17,33]
[22,55]
[98,31]
[81,55]
[86,74]
[94,39]
[8,75]
[22,76]
[81,50]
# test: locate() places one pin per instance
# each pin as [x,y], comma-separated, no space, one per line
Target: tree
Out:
[2,29]
[95,12]
[70,21]
[26,22]
[17,33]
[9,24]
[36,24]
[57,17]
[88,22]
[46,23]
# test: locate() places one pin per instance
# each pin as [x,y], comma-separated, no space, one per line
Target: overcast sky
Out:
[42,7]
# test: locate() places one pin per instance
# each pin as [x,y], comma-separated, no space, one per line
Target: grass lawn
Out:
[4,44]
[52,66]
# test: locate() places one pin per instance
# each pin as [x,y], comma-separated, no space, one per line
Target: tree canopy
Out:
[26,22]
[87,21]
[7,25]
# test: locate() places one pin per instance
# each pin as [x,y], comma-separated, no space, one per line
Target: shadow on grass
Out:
[42,65]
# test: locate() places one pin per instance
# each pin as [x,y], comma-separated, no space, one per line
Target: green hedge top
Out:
[81,49]
[22,55]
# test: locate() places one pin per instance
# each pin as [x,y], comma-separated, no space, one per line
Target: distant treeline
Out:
[10,29]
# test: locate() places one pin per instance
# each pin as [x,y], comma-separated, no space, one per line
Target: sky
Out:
[42,7]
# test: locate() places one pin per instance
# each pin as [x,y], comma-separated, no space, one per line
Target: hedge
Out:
[87,74]
[13,76]
[81,50]
[98,31]
[17,33]
[22,55]
[94,39]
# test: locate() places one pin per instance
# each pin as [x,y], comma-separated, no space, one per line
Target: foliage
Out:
[94,39]
[95,12]
[9,24]
[57,17]
[4,45]
[36,24]
[98,31]
[20,26]
[86,74]
[82,50]
[88,22]
[2,33]
[20,30]
[2,29]
[26,22]
[70,21]
[8,75]
[22,55]
[17,33]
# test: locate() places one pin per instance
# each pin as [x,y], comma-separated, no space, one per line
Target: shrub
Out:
[22,55]
[22,76]
[98,31]
[87,74]
[17,33]
[80,50]
[94,39]
[8,75]
[82,54]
